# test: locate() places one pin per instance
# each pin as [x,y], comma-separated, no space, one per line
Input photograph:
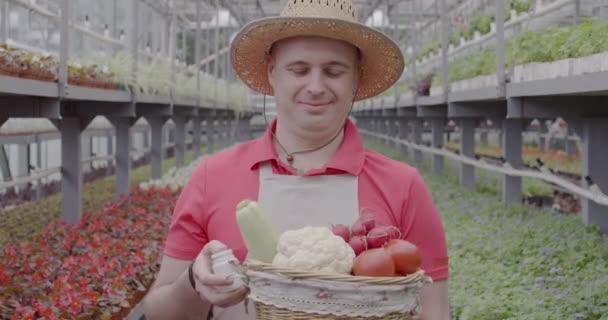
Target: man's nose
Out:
[316,84]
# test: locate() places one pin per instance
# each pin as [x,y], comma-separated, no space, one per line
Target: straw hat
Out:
[382,60]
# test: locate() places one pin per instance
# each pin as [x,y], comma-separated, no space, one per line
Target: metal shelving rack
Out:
[71,108]
[581,100]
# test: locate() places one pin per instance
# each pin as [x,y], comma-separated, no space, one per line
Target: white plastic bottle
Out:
[225,263]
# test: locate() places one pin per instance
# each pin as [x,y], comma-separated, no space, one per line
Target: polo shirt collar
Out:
[349,157]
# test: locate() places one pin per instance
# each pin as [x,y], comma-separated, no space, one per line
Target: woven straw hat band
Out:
[335,9]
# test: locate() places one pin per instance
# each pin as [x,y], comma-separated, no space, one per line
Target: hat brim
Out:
[382,61]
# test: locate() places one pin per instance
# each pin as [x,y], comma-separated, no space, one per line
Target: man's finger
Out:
[213,280]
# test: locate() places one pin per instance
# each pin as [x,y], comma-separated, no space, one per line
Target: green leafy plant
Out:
[119,65]
[516,262]
[520,5]
[429,49]
[154,78]
[584,39]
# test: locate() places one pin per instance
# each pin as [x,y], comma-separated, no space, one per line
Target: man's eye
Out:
[334,73]
[299,71]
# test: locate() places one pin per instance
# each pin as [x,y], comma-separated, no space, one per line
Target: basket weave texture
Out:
[280,293]
[269,312]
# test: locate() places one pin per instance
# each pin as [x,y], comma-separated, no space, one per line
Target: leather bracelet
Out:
[191,276]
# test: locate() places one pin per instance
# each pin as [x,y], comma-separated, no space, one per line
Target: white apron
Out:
[293,202]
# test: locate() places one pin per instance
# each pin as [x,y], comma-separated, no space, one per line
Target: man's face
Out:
[314,81]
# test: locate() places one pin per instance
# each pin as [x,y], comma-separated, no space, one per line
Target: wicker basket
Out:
[273,307]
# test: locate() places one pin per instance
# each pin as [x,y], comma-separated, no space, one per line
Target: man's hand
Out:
[208,284]
[434,300]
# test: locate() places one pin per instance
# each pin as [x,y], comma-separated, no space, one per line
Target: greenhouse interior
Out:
[108,108]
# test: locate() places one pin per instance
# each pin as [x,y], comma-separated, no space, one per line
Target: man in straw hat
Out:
[309,168]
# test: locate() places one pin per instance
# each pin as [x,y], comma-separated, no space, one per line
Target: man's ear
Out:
[270,65]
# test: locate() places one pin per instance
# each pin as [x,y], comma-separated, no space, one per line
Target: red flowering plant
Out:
[97,269]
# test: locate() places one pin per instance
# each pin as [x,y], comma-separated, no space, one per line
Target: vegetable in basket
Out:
[259,233]
[379,250]
[314,249]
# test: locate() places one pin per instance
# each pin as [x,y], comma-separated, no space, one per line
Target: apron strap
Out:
[265,169]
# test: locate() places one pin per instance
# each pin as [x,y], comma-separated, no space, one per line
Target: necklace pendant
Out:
[289,158]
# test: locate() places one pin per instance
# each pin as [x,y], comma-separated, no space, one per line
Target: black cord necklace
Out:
[289,155]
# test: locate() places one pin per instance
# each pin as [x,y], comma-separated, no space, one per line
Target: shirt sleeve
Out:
[422,226]
[187,232]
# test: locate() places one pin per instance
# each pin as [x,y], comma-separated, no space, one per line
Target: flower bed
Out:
[43,67]
[26,222]
[19,63]
[97,269]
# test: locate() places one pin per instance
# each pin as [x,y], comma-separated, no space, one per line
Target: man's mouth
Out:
[315,104]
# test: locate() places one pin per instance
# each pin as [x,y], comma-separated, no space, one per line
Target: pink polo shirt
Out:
[393,190]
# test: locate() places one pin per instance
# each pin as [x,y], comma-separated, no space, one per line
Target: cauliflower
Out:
[314,249]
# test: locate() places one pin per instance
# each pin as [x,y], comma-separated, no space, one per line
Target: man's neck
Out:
[294,141]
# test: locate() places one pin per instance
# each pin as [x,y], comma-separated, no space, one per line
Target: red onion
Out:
[358,243]
[341,231]
[358,228]
[377,237]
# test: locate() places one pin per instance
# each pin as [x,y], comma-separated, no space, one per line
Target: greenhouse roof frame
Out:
[244,11]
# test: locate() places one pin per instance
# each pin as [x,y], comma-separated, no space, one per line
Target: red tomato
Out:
[374,263]
[405,255]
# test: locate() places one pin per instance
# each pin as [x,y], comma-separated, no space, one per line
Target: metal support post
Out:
[417,139]
[438,125]
[5,168]
[64,51]
[500,45]
[404,131]
[223,130]
[395,131]
[467,149]
[71,169]
[39,187]
[122,125]
[211,127]
[542,136]
[378,122]
[414,33]
[133,35]
[146,138]
[23,162]
[180,139]
[595,153]
[156,151]
[227,125]
[444,47]
[196,137]
[512,142]
[387,124]
[219,131]
[196,121]
[4,24]
[110,149]
[87,151]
